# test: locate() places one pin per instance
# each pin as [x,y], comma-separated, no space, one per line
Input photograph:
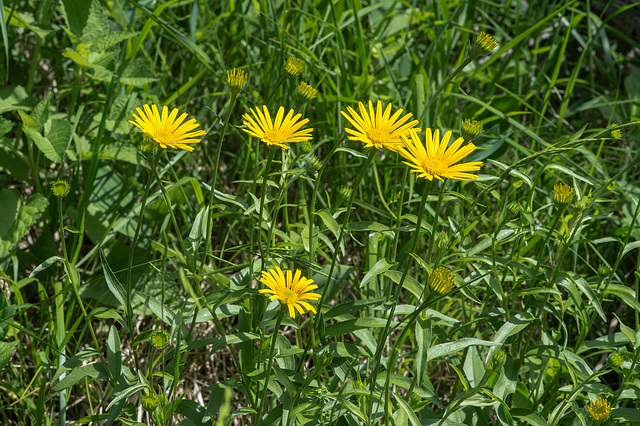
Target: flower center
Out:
[163,136]
[378,137]
[288,296]
[433,166]
[274,136]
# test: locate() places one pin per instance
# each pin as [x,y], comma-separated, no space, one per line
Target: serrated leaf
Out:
[5,126]
[44,265]
[114,285]
[107,40]
[30,213]
[137,73]
[44,144]
[77,57]
[6,352]
[13,98]
[24,20]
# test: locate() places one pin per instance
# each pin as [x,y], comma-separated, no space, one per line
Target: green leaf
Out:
[461,377]
[30,213]
[510,328]
[58,135]
[630,246]
[10,205]
[14,163]
[407,410]
[626,414]
[423,339]
[353,306]
[349,326]
[444,349]
[109,39]
[44,265]
[380,267]
[24,20]
[529,416]
[13,98]
[114,354]
[39,115]
[629,332]
[626,294]
[6,352]
[77,57]
[112,282]
[137,73]
[95,370]
[5,126]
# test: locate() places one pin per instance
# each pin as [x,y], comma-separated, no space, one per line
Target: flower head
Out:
[614,360]
[60,188]
[600,409]
[484,44]
[150,402]
[435,159]
[377,128]
[562,193]
[283,130]
[160,338]
[236,79]
[307,91]
[293,66]
[471,129]
[291,290]
[442,280]
[167,130]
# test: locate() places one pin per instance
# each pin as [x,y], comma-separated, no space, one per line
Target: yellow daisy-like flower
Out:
[600,409]
[236,79]
[562,193]
[60,188]
[167,130]
[293,66]
[283,130]
[442,280]
[378,128]
[434,159]
[291,290]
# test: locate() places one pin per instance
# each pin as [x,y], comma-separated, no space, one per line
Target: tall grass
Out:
[135,298]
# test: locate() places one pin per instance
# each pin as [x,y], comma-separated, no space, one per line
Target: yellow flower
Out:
[165,129]
[60,188]
[293,66]
[290,290]
[471,129]
[442,280]
[600,409]
[562,193]
[283,130]
[377,128]
[236,79]
[434,159]
[307,91]
[484,44]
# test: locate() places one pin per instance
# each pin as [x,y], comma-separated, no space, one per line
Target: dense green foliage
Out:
[545,315]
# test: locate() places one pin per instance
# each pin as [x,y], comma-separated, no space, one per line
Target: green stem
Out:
[132,249]
[407,264]
[263,192]
[263,401]
[345,224]
[445,84]
[207,240]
